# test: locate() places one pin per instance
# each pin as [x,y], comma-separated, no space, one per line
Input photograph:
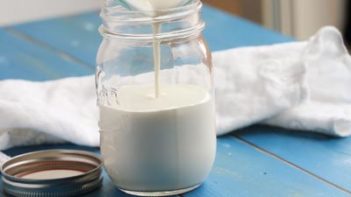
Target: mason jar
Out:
[156,99]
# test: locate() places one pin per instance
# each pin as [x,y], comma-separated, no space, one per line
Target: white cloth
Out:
[48,112]
[327,107]
[322,93]
[299,85]
[255,83]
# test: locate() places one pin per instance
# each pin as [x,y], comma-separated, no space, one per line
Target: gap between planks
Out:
[62,54]
[270,154]
[66,56]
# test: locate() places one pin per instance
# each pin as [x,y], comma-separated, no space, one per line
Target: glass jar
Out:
[156,100]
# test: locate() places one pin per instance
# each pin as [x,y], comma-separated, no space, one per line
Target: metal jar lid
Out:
[52,173]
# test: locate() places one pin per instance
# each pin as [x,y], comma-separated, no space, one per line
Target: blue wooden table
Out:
[256,161]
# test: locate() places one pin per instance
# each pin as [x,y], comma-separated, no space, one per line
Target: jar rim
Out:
[148,16]
[118,22]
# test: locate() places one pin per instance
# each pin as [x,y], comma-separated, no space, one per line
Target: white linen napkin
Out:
[327,108]
[299,85]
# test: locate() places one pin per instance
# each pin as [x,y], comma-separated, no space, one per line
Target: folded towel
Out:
[299,85]
[255,83]
[327,107]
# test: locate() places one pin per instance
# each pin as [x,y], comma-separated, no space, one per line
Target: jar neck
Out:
[180,22]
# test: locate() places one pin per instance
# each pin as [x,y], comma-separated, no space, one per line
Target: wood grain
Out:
[232,6]
[248,9]
[20,59]
[322,156]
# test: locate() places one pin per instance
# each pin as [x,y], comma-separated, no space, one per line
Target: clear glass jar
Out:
[156,100]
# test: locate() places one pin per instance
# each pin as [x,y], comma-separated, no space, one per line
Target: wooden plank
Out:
[24,60]
[322,156]
[239,170]
[232,6]
[78,36]
[224,31]
[249,9]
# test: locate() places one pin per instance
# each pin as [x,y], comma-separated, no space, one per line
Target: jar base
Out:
[161,193]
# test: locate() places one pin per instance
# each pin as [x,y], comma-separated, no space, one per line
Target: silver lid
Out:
[52,173]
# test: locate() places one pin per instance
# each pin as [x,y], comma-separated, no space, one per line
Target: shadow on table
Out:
[270,131]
